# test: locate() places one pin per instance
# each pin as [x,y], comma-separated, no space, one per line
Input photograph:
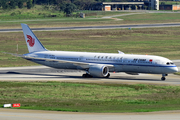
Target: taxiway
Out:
[97,27]
[15,114]
[43,73]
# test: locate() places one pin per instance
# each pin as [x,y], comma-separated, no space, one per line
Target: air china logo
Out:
[31,41]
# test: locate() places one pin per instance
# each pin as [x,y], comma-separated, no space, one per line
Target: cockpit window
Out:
[169,63]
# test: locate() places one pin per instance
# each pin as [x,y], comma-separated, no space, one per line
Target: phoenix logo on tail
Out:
[31,41]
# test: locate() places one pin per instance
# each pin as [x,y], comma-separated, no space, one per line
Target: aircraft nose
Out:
[171,70]
[174,69]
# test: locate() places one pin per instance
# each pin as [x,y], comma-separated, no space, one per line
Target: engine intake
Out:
[99,71]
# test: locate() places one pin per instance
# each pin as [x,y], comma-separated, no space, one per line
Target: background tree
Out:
[12,4]
[70,7]
[63,1]
[47,2]
[29,4]
[20,4]
[4,5]
[62,6]
[84,4]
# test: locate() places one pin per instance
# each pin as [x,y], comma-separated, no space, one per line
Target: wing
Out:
[84,65]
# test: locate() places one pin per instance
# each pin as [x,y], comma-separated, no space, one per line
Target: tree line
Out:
[80,4]
[11,4]
[67,6]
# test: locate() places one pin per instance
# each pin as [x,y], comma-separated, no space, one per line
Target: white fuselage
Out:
[128,63]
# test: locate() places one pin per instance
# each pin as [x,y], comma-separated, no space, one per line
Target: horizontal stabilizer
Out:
[14,54]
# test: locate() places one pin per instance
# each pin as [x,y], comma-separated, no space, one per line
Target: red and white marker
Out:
[16,105]
[7,105]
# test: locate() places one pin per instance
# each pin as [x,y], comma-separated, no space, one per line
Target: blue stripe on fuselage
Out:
[33,60]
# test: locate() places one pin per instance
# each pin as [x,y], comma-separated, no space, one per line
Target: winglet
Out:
[32,41]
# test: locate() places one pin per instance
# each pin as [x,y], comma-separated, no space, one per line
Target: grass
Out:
[152,18]
[39,17]
[36,12]
[178,73]
[40,12]
[81,97]
[169,2]
[152,41]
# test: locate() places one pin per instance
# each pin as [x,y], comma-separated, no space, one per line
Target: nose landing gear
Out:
[163,77]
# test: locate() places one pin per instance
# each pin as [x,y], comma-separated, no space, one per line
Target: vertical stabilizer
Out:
[32,41]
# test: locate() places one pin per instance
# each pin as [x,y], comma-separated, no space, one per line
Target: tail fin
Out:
[32,41]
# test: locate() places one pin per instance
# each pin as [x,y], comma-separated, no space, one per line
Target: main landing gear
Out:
[108,75]
[163,77]
[90,76]
[87,75]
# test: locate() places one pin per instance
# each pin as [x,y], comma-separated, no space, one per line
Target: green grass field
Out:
[152,18]
[39,12]
[178,73]
[81,97]
[152,41]
[40,17]
[169,2]
[156,41]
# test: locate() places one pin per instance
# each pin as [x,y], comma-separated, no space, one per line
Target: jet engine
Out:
[99,71]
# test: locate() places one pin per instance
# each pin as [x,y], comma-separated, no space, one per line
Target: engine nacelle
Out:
[99,71]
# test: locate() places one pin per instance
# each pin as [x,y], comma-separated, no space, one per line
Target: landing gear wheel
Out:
[86,76]
[108,75]
[163,78]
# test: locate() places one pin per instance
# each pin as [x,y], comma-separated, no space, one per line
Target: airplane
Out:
[95,64]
